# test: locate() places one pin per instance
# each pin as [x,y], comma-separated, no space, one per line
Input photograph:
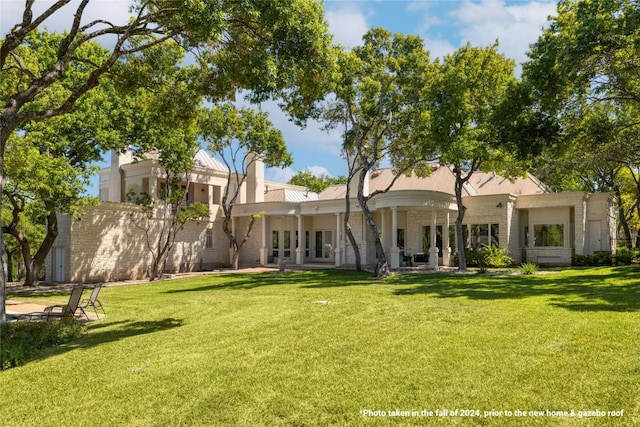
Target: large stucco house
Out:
[415,218]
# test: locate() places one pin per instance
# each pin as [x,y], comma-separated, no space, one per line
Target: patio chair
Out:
[58,311]
[93,300]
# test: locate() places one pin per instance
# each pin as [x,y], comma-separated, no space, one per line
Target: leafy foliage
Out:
[584,72]
[315,183]
[528,268]
[472,84]
[241,137]
[380,102]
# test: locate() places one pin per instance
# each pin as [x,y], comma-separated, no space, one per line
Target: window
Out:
[275,243]
[477,236]
[400,237]
[307,244]
[208,238]
[287,244]
[548,235]
[494,231]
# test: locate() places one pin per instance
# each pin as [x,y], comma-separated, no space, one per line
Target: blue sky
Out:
[445,25]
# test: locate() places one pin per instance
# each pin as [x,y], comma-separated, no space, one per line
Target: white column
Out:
[264,251]
[446,245]
[385,231]
[394,253]
[301,242]
[338,249]
[433,249]
[153,187]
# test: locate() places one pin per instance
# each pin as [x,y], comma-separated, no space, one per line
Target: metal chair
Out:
[93,300]
[67,310]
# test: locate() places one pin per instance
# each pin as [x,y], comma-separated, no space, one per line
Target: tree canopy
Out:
[305,178]
[471,85]
[583,72]
[276,49]
[241,137]
[379,100]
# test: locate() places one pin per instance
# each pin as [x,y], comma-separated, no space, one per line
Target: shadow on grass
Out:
[618,291]
[310,279]
[126,329]
[612,289]
[97,336]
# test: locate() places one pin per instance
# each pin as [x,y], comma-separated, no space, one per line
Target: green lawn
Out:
[251,350]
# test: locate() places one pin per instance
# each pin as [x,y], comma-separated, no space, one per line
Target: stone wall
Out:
[109,243]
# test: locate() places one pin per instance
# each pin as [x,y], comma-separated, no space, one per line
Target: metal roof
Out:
[207,161]
[288,195]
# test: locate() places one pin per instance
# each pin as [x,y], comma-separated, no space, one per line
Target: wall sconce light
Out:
[499,205]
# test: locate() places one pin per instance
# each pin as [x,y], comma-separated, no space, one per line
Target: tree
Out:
[162,99]
[49,162]
[305,178]
[40,179]
[583,71]
[241,138]
[23,221]
[472,83]
[379,100]
[277,49]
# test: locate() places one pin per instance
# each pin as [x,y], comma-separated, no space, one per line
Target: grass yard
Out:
[268,350]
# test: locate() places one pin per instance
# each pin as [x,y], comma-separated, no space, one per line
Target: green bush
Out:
[497,257]
[487,257]
[528,268]
[20,340]
[623,256]
[626,256]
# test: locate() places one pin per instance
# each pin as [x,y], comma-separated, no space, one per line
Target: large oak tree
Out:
[276,49]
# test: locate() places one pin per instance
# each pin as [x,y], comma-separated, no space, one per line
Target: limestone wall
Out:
[109,243]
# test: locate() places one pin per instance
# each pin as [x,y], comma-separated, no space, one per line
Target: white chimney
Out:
[255,178]
[115,175]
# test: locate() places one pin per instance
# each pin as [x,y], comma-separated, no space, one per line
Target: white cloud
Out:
[516,27]
[318,171]
[347,23]
[114,11]
[278,175]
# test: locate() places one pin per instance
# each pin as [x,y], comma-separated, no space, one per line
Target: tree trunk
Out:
[9,265]
[235,259]
[623,218]
[462,260]
[36,263]
[5,131]
[382,265]
[349,232]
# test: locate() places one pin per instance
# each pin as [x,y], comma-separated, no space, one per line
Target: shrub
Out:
[21,340]
[497,257]
[598,259]
[487,257]
[528,268]
[626,256]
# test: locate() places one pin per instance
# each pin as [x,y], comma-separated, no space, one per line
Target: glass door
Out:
[323,245]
